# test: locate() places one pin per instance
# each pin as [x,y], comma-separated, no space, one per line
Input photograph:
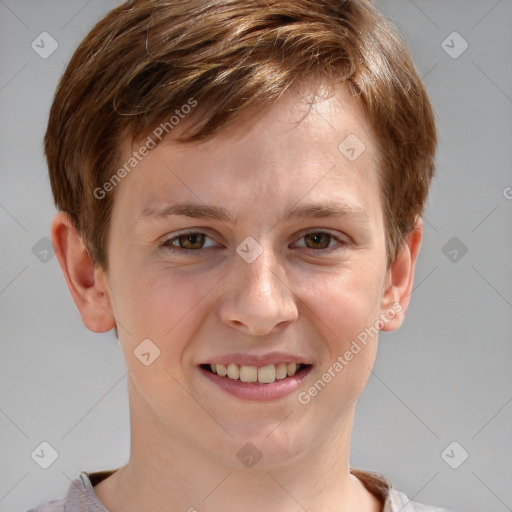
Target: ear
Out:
[88,285]
[399,280]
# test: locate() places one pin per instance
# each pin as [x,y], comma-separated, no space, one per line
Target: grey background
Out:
[444,376]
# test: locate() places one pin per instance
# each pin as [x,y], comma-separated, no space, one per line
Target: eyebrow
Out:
[202,211]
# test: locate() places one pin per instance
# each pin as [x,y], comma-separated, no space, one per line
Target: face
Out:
[278,272]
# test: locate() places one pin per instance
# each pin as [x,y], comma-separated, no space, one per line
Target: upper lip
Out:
[256,360]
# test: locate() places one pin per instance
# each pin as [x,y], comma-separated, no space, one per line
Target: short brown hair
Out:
[146,58]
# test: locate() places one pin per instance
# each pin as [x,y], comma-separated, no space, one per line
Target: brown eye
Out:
[322,242]
[318,240]
[191,241]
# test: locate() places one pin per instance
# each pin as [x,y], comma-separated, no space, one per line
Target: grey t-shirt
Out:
[82,498]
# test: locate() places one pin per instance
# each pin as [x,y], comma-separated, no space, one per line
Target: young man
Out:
[240,187]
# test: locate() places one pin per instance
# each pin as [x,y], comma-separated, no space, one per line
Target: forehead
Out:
[299,148]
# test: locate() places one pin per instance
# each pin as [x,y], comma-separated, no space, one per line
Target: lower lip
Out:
[255,390]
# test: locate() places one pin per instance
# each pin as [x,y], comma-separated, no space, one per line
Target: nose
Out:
[257,298]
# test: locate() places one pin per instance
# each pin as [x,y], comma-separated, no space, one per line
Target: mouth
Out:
[257,383]
[257,374]
[257,377]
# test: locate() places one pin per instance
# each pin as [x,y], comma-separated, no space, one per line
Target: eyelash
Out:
[167,244]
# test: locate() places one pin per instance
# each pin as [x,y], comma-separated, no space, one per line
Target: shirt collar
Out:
[82,493]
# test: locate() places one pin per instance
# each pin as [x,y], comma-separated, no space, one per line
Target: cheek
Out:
[155,299]
[345,313]
[163,314]
[161,306]
[345,309]
[345,304]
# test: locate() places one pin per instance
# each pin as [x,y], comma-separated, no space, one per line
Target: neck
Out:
[165,473]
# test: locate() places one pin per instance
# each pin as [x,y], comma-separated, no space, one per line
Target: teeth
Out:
[264,374]
[248,373]
[221,370]
[233,371]
[267,374]
[291,368]
[281,371]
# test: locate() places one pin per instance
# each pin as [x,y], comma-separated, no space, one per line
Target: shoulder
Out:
[80,496]
[393,500]
[57,505]
[399,501]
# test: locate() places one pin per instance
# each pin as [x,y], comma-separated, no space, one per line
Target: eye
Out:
[190,242]
[320,240]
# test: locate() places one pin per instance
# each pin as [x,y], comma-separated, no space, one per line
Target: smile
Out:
[268,382]
[263,374]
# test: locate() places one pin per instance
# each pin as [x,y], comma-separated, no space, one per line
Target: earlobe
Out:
[399,281]
[88,285]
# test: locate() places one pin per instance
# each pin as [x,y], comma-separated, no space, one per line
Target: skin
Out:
[186,432]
